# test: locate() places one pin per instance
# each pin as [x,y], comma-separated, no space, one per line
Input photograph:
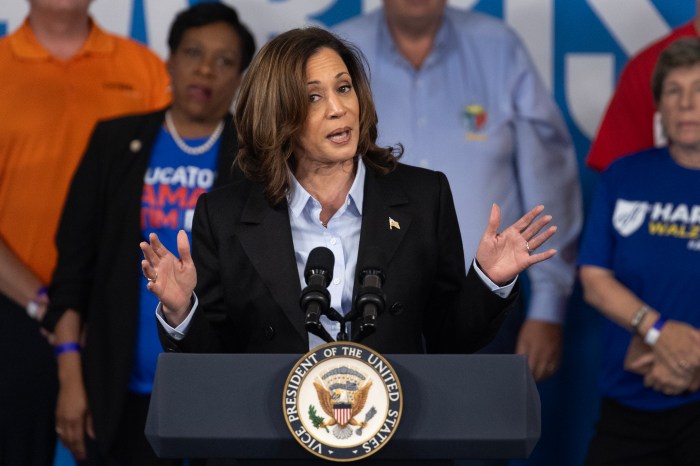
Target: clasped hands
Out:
[672,365]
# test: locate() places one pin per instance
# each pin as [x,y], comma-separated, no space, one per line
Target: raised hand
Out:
[502,256]
[171,279]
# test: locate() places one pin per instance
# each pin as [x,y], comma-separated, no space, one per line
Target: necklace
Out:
[197,150]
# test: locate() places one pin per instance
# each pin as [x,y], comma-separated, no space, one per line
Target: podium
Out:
[455,406]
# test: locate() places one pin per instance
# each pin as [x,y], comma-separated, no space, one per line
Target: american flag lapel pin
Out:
[394,224]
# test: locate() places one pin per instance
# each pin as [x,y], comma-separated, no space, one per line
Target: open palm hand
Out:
[502,256]
[171,279]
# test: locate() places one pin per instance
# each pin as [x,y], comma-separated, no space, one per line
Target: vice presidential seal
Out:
[342,401]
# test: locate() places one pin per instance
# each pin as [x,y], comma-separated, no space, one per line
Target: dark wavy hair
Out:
[682,53]
[203,14]
[273,104]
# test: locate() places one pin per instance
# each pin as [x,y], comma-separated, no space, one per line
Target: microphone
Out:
[315,299]
[370,300]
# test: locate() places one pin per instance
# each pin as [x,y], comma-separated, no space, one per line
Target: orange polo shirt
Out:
[48,108]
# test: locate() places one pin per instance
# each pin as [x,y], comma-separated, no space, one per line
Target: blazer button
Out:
[269,332]
[396,309]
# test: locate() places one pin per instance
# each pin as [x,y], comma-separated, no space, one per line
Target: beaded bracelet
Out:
[639,316]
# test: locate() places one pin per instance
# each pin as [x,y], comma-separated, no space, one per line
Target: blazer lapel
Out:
[266,237]
[384,220]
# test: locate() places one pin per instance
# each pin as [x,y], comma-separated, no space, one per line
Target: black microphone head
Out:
[372,263]
[320,261]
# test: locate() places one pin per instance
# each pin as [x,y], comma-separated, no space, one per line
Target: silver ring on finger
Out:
[527,247]
[152,280]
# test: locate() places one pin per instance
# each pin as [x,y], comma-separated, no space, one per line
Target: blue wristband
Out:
[66,348]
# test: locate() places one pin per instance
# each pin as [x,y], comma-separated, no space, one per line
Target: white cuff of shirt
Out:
[179,332]
[502,291]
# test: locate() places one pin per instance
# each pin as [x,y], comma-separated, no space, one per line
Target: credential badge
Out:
[342,401]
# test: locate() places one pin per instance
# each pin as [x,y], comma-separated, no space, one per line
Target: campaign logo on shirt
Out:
[474,117]
[629,216]
[665,219]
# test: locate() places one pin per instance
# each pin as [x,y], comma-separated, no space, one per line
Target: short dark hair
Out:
[206,13]
[682,53]
[273,104]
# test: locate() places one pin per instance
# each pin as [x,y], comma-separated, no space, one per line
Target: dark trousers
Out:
[28,388]
[131,446]
[630,437]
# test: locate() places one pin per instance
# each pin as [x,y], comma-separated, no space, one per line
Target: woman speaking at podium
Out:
[307,128]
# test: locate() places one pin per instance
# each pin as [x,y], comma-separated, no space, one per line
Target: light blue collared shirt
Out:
[342,237]
[477,111]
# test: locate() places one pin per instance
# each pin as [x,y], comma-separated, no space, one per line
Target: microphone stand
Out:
[372,302]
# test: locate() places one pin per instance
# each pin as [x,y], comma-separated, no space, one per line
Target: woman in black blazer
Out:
[139,173]
[315,177]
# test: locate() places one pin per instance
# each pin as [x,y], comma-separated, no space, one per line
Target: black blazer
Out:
[248,285]
[98,269]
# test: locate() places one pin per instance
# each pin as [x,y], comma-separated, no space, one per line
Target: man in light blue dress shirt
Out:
[459,91]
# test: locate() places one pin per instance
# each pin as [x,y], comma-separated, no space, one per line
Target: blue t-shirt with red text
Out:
[172,184]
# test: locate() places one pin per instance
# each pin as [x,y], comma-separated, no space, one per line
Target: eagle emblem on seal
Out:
[342,394]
